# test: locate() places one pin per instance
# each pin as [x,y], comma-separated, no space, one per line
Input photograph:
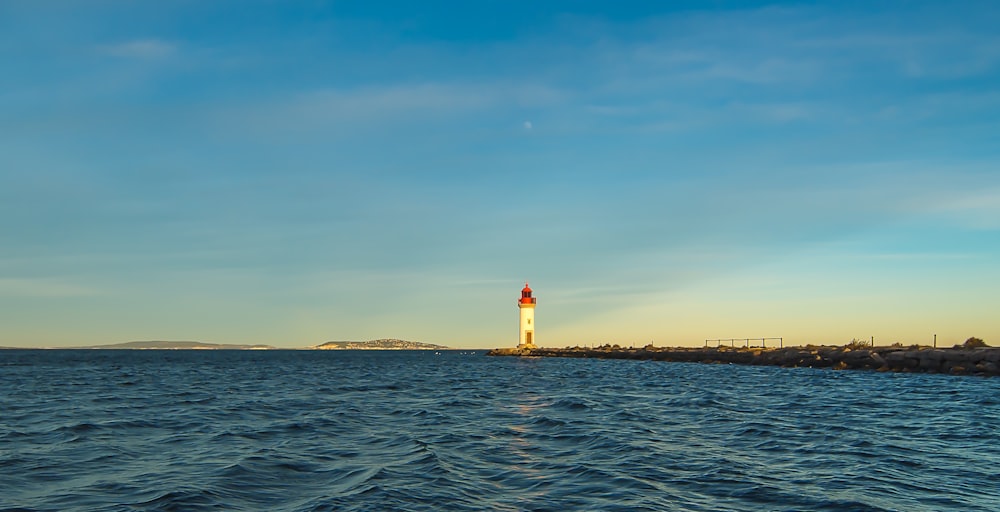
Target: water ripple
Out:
[358,431]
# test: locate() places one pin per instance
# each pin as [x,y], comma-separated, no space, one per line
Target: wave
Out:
[309,432]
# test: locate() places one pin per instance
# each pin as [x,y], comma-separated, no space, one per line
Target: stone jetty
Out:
[958,360]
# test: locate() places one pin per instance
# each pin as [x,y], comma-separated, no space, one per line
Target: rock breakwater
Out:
[957,361]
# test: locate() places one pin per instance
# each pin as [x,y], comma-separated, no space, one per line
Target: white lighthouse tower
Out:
[526,306]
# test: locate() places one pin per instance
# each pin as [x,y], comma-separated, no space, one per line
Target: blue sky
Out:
[295,172]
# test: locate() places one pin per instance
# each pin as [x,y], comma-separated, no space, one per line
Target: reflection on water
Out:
[525,406]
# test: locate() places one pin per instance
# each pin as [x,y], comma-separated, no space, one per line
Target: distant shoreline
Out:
[954,361]
[233,349]
[380,344]
[236,349]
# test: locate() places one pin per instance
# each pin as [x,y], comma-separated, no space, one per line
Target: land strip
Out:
[956,361]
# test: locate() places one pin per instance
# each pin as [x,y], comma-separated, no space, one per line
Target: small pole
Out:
[935,341]
[873,341]
[781,343]
[763,343]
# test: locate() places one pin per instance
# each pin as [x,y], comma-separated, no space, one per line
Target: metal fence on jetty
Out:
[746,341]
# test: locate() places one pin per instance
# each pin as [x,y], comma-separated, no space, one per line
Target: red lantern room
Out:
[526,297]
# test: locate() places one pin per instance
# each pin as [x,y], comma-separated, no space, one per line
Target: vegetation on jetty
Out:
[971,358]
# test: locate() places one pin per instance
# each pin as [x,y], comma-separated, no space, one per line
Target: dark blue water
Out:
[291,431]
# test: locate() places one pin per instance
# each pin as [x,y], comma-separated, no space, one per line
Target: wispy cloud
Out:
[144,49]
[936,53]
[385,101]
[384,106]
[43,288]
[976,210]
[910,256]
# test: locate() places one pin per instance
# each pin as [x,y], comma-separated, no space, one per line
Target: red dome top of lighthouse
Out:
[526,295]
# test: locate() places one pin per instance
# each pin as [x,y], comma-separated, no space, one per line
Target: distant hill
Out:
[384,344]
[178,345]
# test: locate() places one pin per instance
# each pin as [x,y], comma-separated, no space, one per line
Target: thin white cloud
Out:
[933,54]
[962,195]
[140,49]
[777,112]
[381,101]
[977,210]
[803,49]
[42,288]
[911,256]
[381,106]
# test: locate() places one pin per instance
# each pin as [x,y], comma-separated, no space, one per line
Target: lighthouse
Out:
[526,307]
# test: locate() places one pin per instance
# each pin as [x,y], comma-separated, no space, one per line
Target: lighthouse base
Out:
[527,340]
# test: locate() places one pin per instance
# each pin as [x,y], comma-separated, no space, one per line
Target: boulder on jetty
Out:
[958,360]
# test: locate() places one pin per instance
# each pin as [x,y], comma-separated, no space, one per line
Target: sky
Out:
[295,172]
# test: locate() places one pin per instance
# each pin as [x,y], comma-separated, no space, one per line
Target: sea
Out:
[285,430]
